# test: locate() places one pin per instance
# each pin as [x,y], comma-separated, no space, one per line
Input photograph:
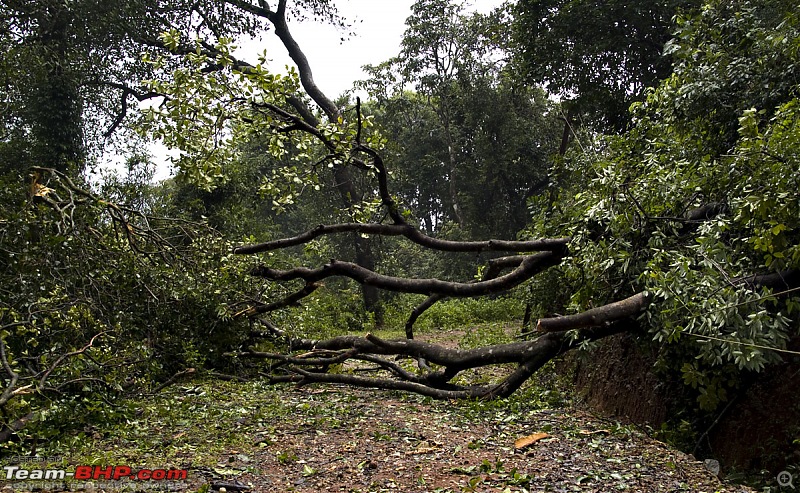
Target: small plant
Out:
[285,457]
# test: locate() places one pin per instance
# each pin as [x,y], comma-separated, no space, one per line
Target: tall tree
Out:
[481,141]
[443,50]
[598,56]
[503,139]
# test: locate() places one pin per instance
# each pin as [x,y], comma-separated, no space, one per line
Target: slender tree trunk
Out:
[56,110]
[364,255]
[567,132]
[453,170]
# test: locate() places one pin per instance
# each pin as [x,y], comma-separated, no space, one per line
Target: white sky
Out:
[378,27]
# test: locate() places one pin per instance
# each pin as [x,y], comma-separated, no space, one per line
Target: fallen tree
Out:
[524,259]
[636,234]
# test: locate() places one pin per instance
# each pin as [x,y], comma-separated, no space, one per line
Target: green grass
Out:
[185,424]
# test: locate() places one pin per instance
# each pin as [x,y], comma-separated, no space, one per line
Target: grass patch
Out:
[183,426]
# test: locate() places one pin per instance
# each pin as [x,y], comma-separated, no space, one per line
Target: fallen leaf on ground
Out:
[521,443]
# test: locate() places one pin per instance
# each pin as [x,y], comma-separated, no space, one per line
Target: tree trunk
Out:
[55,106]
[453,188]
[565,135]
[364,256]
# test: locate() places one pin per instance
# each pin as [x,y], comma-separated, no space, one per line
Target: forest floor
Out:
[261,438]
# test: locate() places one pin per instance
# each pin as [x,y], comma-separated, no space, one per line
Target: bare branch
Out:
[495,266]
[528,268]
[66,356]
[291,300]
[780,280]
[278,20]
[174,378]
[408,231]
[530,356]
[600,316]
[126,92]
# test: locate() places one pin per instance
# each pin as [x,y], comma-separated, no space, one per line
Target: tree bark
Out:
[596,317]
[529,267]
[528,355]
[544,244]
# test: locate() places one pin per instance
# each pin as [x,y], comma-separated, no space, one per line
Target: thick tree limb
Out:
[278,19]
[595,317]
[529,267]
[303,110]
[304,68]
[778,280]
[302,377]
[529,355]
[408,231]
[298,123]
[419,310]
[383,177]
[311,359]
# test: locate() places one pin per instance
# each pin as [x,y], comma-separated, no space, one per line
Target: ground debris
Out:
[394,443]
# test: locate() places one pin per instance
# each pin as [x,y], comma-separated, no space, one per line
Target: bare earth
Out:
[336,439]
[375,442]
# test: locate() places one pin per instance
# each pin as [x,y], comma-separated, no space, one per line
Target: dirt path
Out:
[261,438]
[363,441]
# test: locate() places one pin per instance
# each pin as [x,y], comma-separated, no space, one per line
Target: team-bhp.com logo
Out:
[115,473]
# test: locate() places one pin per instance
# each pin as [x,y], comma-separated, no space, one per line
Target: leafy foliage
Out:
[599,56]
[629,200]
[71,70]
[468,145]
[91,309]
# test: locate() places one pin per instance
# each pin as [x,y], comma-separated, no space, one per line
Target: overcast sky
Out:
[378,27]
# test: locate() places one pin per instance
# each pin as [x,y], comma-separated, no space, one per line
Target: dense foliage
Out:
[100,300]
[72,72]
[721,133]
[599,56]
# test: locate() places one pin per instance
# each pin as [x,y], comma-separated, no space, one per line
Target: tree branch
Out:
[527,269]
[278,20]
[8,392]
[495,266]
[291,300]
[126,91]
[408,231]
[779,280]
[600,316]
[529,355]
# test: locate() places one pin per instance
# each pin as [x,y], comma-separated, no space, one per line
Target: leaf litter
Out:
[255,437]
[384,442]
